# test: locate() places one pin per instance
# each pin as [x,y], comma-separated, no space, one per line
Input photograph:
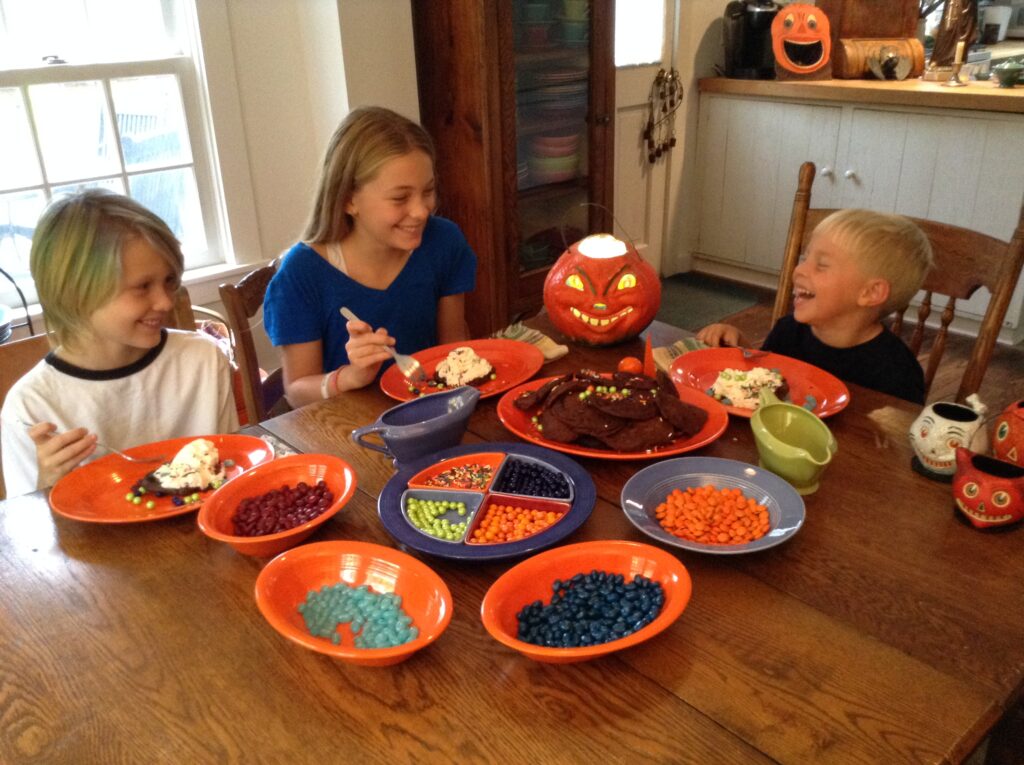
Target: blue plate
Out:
[392,515]
[648,489]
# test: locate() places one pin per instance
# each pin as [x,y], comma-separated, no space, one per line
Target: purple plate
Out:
[582,492]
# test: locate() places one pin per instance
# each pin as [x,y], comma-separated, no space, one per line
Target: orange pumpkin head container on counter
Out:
[802,43]
[601,291]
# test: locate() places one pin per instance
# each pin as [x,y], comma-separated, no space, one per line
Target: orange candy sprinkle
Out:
[509,523]
[713,516]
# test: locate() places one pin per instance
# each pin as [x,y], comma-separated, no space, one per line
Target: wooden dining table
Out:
[887,630]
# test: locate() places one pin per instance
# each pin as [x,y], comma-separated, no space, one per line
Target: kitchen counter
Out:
[975,96]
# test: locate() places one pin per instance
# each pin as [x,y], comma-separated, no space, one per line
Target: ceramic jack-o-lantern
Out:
[989,492]
[601,291]
[940,429]
[1008,434]
[801,42]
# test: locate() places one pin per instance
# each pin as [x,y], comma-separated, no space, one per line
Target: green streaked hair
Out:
[76,254]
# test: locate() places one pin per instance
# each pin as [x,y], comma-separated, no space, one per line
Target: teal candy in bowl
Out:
[422,426]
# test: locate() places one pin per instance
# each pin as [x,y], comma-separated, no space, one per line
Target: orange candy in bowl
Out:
[217,517]
[287,581]
[532,581]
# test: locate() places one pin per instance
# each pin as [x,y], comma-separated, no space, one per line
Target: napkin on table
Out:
[666,354]
[524,334]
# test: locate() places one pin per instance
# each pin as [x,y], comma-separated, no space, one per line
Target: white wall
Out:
[282,75]
[700,49]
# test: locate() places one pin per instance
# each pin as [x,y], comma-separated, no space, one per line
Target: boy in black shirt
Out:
[859,266]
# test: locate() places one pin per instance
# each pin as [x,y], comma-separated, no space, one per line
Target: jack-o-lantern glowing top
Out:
[801,39]
[601,291]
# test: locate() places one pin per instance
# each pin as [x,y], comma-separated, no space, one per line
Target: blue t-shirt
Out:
[304,297]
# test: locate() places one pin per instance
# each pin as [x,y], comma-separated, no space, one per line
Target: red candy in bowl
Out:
[277,504]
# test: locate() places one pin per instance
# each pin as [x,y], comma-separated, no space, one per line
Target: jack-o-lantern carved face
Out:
[601,291]
[1008,434]
[801,39]
[989,492]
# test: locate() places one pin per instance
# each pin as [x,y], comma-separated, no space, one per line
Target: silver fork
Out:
[753,353]
[112,450]
[407,365]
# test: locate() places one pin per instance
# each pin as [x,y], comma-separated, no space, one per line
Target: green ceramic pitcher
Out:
[792,442]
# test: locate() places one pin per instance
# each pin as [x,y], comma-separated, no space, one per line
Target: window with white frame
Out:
[101,93]
[639,32]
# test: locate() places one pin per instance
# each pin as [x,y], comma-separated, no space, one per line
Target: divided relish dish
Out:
[486,501]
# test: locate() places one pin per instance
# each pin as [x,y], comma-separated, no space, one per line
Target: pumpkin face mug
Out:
[939,430]
[1008,434]
[989,492]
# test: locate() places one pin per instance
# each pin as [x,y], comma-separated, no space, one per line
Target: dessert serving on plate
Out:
[463,366]
[196,467]
[622,411]
[741,387]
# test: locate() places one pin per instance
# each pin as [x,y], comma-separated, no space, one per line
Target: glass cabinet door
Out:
[551,43]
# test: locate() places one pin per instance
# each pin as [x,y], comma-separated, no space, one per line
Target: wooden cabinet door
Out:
[749,153]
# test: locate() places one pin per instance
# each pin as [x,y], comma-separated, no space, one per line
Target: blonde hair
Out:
[76,254]
[366,139]
[885,246]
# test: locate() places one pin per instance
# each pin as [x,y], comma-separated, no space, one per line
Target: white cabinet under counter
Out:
[926,153]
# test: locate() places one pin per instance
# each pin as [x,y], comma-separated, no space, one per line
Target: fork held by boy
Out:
[110,449]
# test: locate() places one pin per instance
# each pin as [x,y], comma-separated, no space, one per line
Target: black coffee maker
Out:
[748,39]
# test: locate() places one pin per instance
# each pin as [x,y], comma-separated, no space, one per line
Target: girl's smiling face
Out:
[392,209]
[126,326]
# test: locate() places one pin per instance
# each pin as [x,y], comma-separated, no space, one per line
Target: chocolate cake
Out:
[622,412]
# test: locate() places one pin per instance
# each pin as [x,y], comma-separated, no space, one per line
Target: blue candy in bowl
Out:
[422,426]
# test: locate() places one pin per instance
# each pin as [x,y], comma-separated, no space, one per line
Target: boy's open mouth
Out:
[800,294]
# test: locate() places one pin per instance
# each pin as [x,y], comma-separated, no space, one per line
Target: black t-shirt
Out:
[883,363]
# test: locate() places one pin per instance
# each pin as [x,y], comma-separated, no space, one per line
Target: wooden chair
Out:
[16,358]
[964,261]
[241,302]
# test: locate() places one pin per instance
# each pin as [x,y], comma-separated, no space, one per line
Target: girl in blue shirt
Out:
[373,245]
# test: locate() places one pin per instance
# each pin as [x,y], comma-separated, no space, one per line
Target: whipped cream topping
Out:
[197,465]
[741,387]
[462,365]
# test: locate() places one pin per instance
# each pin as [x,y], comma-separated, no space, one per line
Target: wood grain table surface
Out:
[885,631]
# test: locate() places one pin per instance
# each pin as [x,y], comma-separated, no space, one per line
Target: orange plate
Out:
[219,508]
[514,362]
[699,369]
[92,492]
[519,422]
[284,582]
[531,580]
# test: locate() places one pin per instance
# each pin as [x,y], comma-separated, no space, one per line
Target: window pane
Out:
[639,32]
[75,133]
[151,121]
[172,194]
[111,184]
[19,166]
[18,215]
[85,31]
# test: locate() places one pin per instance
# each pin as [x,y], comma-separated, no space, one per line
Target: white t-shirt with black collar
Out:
[182,387]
